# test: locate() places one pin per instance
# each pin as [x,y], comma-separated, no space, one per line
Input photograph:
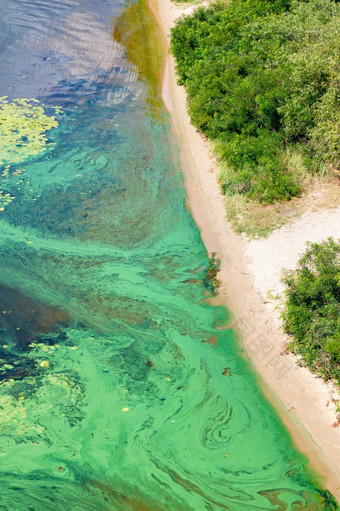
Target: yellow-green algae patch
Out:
[23,127]
[137,30]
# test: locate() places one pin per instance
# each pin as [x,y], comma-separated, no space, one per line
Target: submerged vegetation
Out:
[138,31]
[211,280]
[312,313]
[262,79]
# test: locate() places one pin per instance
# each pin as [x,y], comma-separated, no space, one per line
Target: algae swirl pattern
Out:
[114,394]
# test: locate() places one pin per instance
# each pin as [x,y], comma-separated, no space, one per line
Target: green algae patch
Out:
[23,127]
[138,31]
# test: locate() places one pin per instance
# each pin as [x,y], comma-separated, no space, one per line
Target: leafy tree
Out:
[312,313]
[262,78]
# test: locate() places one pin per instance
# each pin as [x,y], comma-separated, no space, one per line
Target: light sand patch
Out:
[283,248]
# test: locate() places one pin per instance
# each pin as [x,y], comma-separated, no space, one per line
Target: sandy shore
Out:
[251,269]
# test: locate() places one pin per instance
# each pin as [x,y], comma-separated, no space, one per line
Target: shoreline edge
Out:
[300,399]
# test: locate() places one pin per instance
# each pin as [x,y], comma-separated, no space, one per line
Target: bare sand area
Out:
[250,271]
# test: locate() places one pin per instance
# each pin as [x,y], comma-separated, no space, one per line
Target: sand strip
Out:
[249,270]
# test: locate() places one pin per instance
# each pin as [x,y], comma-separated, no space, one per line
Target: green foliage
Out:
[261,78]
[312,314]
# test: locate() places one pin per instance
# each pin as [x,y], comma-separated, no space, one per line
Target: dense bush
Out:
[312,314]
[263,77]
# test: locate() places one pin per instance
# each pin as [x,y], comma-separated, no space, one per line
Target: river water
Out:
[122,388]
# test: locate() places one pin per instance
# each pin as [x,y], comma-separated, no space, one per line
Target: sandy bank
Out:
[249,270]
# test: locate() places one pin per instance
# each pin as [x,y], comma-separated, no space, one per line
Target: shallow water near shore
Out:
[120,390]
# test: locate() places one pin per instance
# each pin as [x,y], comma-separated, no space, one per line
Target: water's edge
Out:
[205,201]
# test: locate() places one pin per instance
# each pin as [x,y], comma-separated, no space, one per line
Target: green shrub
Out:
[262,77]
[256,168]
[312,313]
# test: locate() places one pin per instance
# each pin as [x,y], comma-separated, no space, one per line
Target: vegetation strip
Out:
[262,81]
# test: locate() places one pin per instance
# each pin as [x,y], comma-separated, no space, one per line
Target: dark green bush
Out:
[262,76]
[312,313]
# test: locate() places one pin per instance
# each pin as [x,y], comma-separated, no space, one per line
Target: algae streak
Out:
[137,30]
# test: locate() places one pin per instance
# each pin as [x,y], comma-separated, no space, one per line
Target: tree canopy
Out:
[262,78]
[312,313]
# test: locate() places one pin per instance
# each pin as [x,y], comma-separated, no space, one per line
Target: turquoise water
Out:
[113,394]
